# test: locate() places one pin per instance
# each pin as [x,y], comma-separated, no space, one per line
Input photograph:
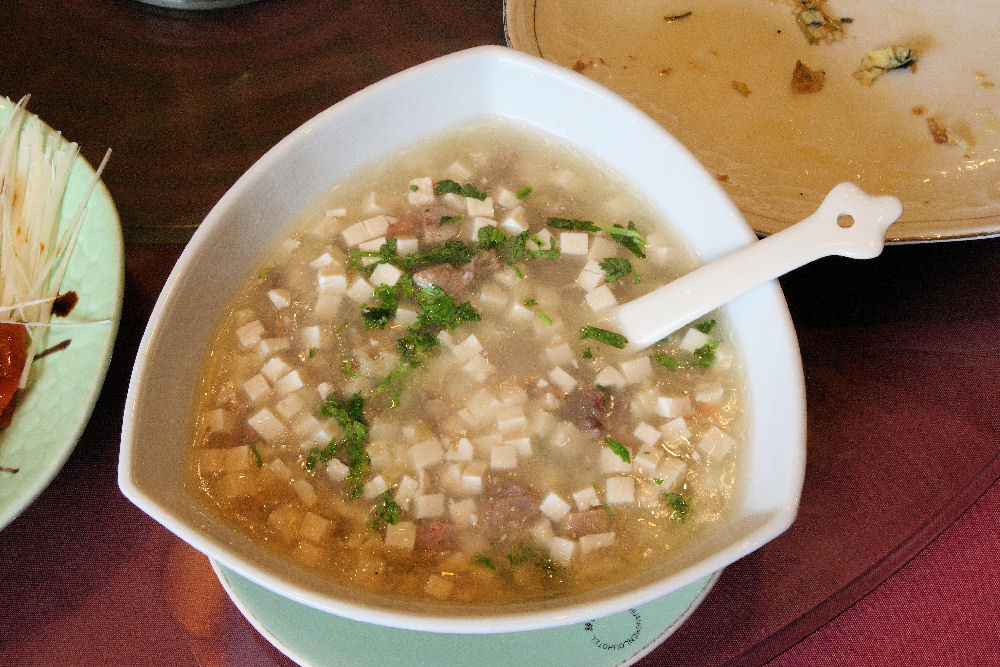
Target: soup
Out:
[420,392]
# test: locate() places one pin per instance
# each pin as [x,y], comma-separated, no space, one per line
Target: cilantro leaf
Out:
[386,509]
[619,449]
[604,336]
[705,326]
[628,237]
[572,223]
[704,356]
[523,192]
[615,268]
[678,504]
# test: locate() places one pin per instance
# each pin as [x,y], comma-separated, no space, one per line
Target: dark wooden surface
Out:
[900,353]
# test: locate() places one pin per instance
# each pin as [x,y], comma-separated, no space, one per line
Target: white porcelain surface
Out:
[392,114]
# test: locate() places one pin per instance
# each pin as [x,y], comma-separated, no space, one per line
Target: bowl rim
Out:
[570,611]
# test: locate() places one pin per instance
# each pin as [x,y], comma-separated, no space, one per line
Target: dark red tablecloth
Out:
[900,354]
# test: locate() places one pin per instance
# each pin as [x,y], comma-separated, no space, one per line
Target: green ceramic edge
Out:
[319,639]
[65,385]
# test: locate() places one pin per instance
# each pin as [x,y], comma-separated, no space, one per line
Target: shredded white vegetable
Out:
[35,168]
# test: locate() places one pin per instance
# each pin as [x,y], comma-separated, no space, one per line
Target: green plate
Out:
[312,637]
[60,397]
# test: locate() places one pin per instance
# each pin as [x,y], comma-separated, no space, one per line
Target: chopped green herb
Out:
[347,367]
[342,327]
[312,352]
[619,449]
[414,187]
[450,219]
[678,504]
[667,361]
[604,336]
[615,268]
[491,237]
[704,356]
[543,317]
[657,481]
[588,353]
[705,326]
[256,455]
[266,271]
[441,311]
[523,192]
[606,388]
[350,416]
[486,562]
[386,509]
[467,190]
[628,237]
[572,223]
[531,302]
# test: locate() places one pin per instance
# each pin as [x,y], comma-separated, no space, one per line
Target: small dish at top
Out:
[717,76]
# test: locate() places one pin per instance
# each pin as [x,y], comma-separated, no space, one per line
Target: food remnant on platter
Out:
[942,135]
[443,412]
[805,80]
[878,62]
[34,252]
[815,23]
[741,88]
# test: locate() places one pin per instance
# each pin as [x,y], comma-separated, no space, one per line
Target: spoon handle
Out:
[849,222]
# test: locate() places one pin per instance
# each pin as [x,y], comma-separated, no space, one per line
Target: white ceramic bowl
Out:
[392,114]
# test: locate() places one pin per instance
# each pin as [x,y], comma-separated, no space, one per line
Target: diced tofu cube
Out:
[669,472]
[522,445]
[709,394]
[377,226]
[236,458]
[554,507]
[305,491]
[506,198]
[428,506]
[478,222]
[511,420]
[360,290]
[355,234]
[716,444]
[562,379]
[420,192]
[520,313]
[646,434]
[289,406]
[406,491]
[542,531]
[331,279]
[560,355]
[693,339]
[426,453]
[453,201]
[561,550]
[407,245]
[462,451]
[336,470]
[405,316]
[590,543]
[280,470]
[675,430]
[463,512]
[514,222]
[274,368]
[267,425]
[673,406]
[375,487]
[646,461]
[610,377]
[476,208]
[402,535]
[602,248]
[280,298]
[326,259]
[385,274]
[288,383]
[311,337]
[269,346]
[483,404]
[503,457]
[543,242]
[586,498]
[472,478]
[457,171]
[257,388]
[250,333]
[467,349]
[218,420]
[439,587]
[591,275]
[600,298]
[314,527]
[574,243]
[478,367]
[636,370]
[611,462]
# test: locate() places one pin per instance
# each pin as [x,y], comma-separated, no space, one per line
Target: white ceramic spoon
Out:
[849,222]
